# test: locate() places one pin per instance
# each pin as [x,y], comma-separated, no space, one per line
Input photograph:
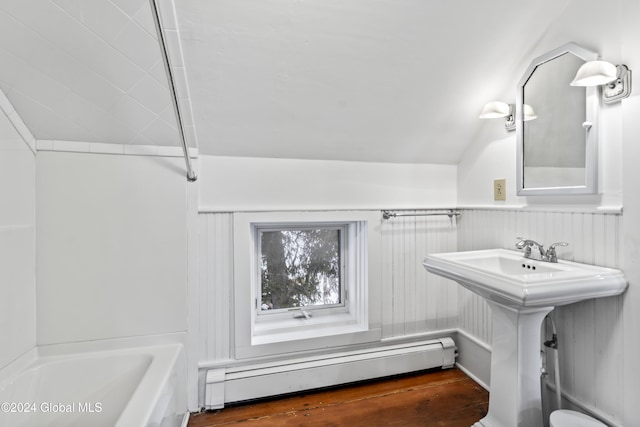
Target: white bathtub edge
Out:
[19,364]
[154,382]
[160,394]
[110,344]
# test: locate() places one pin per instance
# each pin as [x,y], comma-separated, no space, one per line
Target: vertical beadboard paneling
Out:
[590,332]
[386,268]
[398,280]
[475,231]
[409,285]
[609,327]
[216,285]
[414,301]
[423,306]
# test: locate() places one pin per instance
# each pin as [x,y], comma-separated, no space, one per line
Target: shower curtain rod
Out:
[450,213]
[191,175]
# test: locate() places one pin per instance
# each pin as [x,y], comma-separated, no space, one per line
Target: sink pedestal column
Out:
[514,398]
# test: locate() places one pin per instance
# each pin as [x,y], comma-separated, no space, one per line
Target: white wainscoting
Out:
[415,302]
[216,290]
[414,305]
[590,332]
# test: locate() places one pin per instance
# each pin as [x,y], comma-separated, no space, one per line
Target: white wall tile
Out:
[100,17]
[132,114]
[96,147]
[145,19]
[71,146]
[138,45]
[152,94]
[140,150]
[174,48]
[111,246]
[130,7]
[168,13]
[17,244]
[158,133]
[17,285]
[78,62]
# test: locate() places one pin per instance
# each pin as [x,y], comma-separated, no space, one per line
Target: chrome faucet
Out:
[551,252]
[548,256]
[527,244]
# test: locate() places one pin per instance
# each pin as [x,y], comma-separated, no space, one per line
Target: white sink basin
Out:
[507,277]
[521,292]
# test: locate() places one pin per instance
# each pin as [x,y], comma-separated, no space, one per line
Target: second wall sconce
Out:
[497,109]
[614,79]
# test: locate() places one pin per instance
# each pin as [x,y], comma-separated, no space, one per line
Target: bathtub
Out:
[135,387]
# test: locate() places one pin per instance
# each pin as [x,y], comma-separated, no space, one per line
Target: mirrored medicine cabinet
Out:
[557,151]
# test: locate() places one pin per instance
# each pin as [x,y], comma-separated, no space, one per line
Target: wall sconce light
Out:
[497,109]
[614,79]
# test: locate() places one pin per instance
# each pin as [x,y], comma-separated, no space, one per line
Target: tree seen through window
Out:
[300,268]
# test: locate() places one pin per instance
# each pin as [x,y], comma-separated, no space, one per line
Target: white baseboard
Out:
[233,384]
[474,358]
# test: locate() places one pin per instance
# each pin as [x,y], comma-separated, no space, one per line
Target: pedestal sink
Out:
[521,292]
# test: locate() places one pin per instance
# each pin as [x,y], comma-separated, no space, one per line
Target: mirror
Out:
[557,151]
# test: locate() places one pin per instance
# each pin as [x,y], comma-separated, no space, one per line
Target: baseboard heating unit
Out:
[238,383]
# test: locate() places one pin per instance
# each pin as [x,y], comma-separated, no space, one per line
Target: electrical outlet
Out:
[500,189]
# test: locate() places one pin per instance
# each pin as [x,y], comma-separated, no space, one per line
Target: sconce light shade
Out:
[497,109]
[494,110]
[528,113]
[595,73]
[614,79]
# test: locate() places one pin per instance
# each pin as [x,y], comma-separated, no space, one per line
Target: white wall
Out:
[17,244]
[492,155]
[238,183]
[412,302]
[630,132]
[111,246]
[599,364]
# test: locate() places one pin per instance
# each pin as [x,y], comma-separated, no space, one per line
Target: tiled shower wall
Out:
[590,332]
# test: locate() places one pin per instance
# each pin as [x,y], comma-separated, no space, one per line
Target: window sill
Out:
[305,331]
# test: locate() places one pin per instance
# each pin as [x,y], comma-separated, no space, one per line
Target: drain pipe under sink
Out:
[553,344]
[545,385]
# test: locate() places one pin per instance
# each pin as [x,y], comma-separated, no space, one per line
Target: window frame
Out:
[345,261]
[358,322]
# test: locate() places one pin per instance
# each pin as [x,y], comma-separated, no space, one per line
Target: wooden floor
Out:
[431,398]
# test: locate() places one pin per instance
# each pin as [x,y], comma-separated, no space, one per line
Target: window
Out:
[302,280]
[300,268]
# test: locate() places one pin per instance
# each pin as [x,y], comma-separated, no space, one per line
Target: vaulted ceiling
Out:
[363,80]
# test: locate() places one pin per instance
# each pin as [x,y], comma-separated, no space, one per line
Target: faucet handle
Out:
[553,245]
[551,252]
[521,241]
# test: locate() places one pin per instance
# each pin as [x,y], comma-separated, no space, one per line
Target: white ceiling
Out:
[363,80]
